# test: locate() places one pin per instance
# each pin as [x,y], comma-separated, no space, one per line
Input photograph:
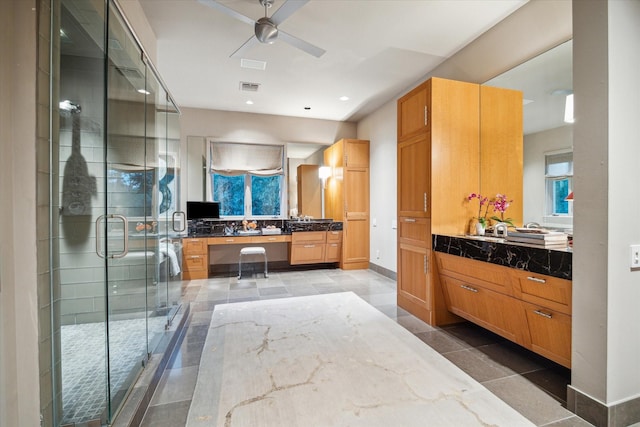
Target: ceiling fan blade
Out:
[246,46]
[219,6]
[301,44]
[286,10]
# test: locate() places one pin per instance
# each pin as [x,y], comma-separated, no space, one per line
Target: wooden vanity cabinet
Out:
[333,249]
[195,258]
[454,138]
[307,247]
[530,309]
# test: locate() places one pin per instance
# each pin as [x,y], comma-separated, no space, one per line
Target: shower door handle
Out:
[173,221]
[125,249]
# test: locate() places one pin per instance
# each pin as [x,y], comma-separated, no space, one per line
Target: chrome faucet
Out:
[500,226]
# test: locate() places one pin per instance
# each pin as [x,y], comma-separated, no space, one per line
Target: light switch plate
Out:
[634,260]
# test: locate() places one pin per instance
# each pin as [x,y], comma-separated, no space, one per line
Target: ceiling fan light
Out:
[266,31]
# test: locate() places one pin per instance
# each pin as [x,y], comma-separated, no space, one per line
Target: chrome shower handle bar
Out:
[125,249]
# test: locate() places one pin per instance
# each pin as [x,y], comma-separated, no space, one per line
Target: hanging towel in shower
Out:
[174,265]
[77,186]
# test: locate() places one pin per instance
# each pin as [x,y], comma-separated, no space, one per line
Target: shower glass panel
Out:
[131,235]
[116,250]
[78,179]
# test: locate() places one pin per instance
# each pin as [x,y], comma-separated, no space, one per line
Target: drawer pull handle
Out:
[543,314]
[409,220]
[271,238]
[536,279]
[230,240]
[309,246]
[469,288]
[195,256]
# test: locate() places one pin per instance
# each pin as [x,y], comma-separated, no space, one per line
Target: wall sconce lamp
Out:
[324,172]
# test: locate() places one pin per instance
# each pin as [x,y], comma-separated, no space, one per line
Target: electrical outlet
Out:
[634,261]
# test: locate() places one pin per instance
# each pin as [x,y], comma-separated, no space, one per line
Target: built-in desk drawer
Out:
[270,239]
[229,240]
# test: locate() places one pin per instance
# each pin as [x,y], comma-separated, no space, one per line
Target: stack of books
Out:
[538,237]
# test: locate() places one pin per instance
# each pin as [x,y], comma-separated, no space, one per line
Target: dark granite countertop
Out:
[221,227]
[552,262]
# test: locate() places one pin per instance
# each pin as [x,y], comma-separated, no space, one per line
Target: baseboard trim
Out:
[600,415]
[383,271]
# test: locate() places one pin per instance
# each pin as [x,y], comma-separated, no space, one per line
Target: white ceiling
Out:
[375,49]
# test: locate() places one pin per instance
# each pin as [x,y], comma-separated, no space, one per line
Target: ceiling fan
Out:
[266,29]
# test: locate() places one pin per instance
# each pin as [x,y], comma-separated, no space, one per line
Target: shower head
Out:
[70,107]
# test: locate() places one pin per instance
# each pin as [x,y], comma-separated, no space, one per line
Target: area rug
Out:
[330,360]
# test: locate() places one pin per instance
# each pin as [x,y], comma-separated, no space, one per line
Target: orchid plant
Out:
[484,201]
[500,204]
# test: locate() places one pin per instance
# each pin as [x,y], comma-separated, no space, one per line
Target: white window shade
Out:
[238,159]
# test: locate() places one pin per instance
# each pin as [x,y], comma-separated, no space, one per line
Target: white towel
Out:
[174,265]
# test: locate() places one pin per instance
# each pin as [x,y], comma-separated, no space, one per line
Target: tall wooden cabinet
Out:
[309,191]
[440,158]
[347,198]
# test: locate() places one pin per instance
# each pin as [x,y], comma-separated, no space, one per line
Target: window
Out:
[248,195]
[247,179]
[559,181]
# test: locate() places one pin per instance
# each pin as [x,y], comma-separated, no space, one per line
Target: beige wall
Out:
[606,319]
[198,125]
[19,379]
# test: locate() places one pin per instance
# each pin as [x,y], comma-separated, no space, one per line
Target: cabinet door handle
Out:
[425,201]
[309,246]
[543,314]
[409,220]
[425,115]
[536,279]
[426,264]
[469,288]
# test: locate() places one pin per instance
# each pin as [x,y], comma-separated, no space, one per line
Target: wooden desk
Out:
[195,251]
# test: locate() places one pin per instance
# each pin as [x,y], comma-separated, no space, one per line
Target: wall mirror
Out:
[296,153]
[545,80]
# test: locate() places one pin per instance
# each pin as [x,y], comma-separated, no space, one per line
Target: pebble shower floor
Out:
[83,363]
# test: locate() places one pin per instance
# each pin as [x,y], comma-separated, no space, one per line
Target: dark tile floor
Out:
[529,383]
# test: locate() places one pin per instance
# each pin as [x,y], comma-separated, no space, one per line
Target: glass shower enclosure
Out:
[115,211]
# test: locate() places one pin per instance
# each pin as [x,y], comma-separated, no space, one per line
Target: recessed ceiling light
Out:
[249,102]
[144,92]
[344,98]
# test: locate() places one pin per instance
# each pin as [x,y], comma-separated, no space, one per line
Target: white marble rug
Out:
[331,360]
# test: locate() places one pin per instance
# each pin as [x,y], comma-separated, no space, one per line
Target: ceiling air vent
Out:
[249,87]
